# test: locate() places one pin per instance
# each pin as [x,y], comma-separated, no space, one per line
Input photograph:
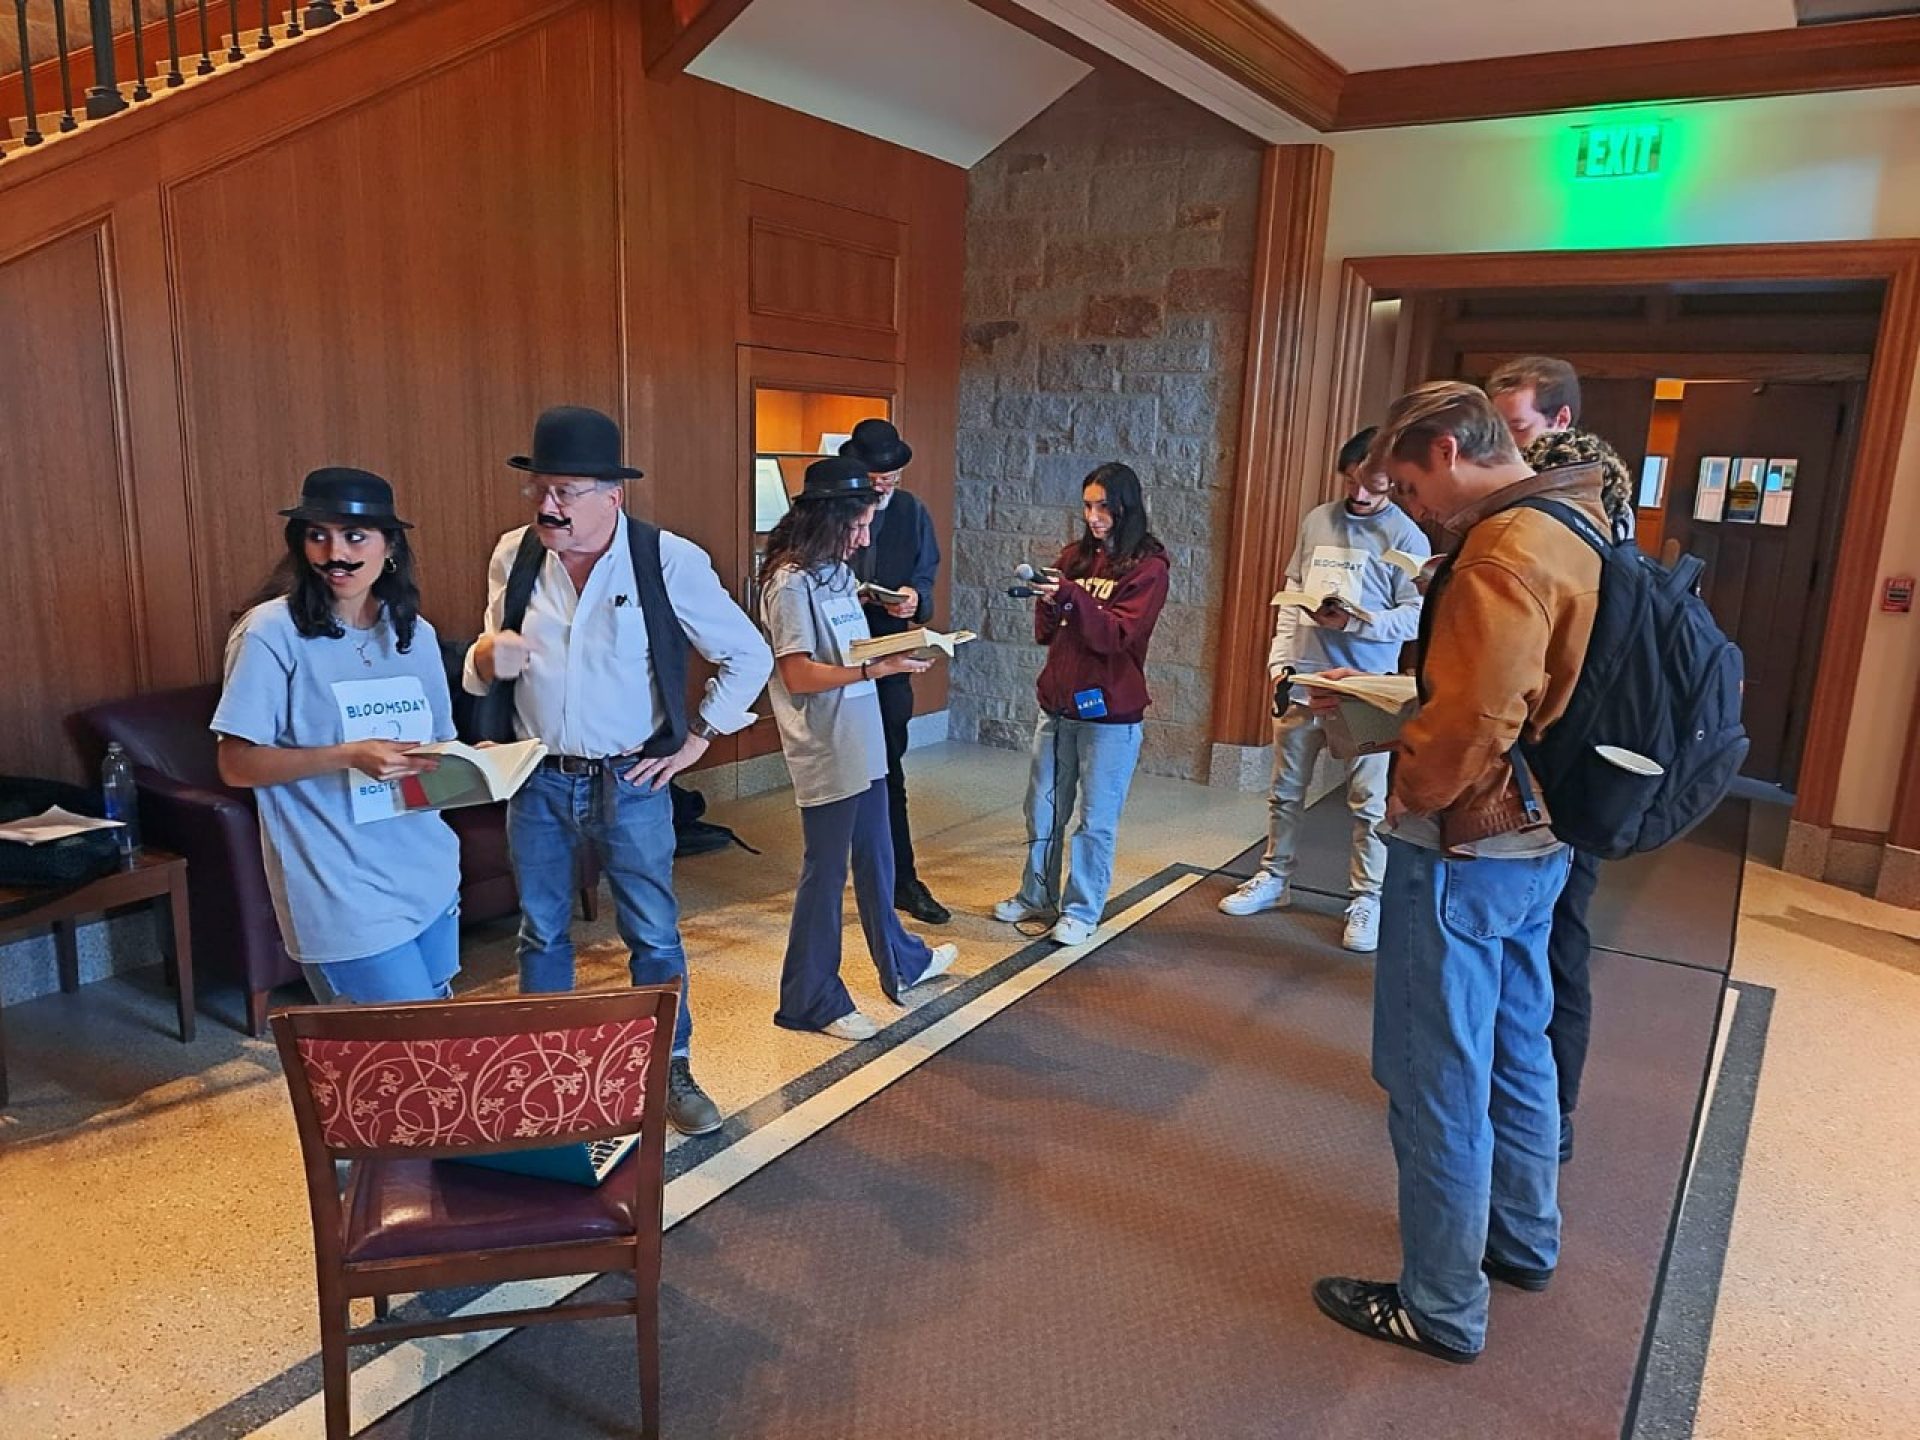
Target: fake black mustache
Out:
[554,522]
[340,567]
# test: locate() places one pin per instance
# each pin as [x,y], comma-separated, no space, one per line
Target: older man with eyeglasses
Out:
[590,619]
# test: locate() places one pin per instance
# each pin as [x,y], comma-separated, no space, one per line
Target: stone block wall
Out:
[1109,264]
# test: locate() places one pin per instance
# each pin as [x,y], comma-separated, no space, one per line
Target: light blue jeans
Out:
[548,820]
[1087,762]
[421,969]
[1461,1001]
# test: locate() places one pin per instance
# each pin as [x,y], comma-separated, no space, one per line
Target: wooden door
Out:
[1619,412]
[1766,582]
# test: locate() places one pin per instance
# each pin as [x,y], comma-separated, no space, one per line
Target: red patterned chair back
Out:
[477,1075]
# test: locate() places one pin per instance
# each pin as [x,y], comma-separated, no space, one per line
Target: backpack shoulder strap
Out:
[520,580]
[1570,517]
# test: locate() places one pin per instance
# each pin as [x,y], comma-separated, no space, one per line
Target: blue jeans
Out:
[548,820]
[421,969]
[1461,1001]
[1092,763]
[812,995]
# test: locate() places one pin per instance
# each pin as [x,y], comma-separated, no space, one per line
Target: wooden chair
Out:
[395,1089]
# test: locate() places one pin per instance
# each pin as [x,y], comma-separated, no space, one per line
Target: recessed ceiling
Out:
[1387,34]
[943,77]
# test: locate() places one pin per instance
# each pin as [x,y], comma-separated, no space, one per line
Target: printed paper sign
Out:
[1336,570]
[394,709]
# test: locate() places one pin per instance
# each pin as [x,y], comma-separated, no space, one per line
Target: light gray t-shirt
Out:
[834,745]
[350,877]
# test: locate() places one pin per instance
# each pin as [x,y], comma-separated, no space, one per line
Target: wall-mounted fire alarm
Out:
[1898,596]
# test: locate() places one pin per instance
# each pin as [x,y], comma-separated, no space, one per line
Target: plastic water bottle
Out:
[123,803]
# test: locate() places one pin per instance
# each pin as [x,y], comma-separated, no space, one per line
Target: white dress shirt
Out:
[587,688]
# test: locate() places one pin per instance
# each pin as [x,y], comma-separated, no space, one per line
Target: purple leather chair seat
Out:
[400,1208]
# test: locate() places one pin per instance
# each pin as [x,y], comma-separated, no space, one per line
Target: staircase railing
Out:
[210,35]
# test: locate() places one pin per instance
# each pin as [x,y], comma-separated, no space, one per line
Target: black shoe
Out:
[1521,1277]
[1375,1310]
[688,1109]
[913,898]
[1566,1137]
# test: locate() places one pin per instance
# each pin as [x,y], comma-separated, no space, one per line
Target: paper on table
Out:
[53,824]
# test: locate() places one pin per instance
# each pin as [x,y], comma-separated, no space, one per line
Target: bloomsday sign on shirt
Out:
[394,709]
[1335,570]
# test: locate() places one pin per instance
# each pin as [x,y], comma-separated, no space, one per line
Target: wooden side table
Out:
[152,875]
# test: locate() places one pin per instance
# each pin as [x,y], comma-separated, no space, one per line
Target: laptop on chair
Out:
[584,1162]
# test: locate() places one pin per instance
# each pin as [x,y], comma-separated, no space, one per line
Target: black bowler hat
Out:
[838,477]
[573,440]
[878,446]
[339,492]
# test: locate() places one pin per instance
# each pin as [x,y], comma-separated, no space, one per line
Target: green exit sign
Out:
[1610,152]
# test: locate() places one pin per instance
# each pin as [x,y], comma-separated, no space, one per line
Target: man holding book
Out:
[1462,993]
[590,619]
[1367,609]
[896,572]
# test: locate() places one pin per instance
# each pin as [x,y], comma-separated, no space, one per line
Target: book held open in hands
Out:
[470,774]
[1413,566]
[1372,710]
[873,594]
[919,642]
[1319,602]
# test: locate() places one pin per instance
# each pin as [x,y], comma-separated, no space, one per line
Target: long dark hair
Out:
[311,607]
[812,535]
[1129,542]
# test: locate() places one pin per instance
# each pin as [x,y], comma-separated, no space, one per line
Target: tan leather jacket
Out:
[1507,635]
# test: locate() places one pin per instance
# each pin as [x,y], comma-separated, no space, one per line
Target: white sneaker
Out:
[851,1026]
[1265,891]
[1069,931]
[1016,910]
[942,961]
[1362,934]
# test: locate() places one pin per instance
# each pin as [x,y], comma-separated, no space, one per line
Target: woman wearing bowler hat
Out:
[332,680]
[829,719]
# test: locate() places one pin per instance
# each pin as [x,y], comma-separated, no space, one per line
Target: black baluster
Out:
[234,52]
[265,42]
[350,7]
[321,14]
[293,19]
[67,122]
[205,67]
[174,77]
[140,90]
[31,135]
[104,98]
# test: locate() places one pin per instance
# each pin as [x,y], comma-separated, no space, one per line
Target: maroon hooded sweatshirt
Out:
[1096,630]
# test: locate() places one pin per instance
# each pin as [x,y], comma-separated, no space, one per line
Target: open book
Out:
[470,775]
[872,594]
[1414,566]
[1372,710]
[919,641]
[1327,601]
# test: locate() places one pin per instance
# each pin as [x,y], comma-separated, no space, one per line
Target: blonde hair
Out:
[1445,407]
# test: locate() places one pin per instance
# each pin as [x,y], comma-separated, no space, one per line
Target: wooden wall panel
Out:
[70,584]
[935,274]
[403,286]
[820,277]
[395,246]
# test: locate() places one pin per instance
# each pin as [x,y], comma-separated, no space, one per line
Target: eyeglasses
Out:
[562,494]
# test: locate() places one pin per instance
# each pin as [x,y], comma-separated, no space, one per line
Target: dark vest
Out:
[889,560]
[666,641]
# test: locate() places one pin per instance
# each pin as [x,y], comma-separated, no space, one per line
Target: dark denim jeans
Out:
[1461,1001]
[547,822]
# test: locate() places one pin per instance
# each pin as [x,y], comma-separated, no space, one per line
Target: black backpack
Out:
[1661,680]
